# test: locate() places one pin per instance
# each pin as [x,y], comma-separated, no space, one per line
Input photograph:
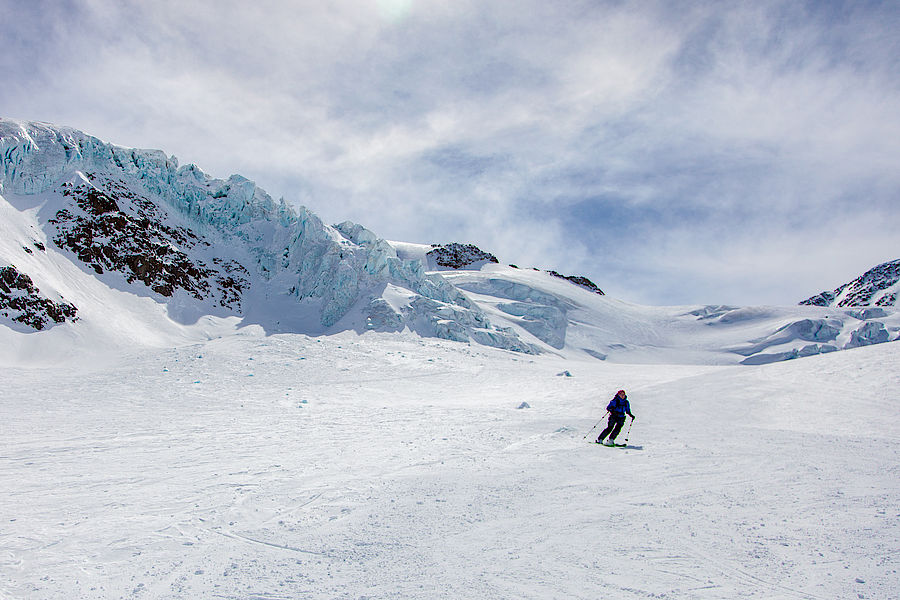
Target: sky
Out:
[673,152]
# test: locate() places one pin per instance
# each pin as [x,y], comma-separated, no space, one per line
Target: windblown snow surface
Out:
[392,466]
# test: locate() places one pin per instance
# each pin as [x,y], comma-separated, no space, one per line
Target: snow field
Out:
[391,466]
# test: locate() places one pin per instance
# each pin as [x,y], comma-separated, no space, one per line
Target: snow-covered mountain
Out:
[115,247]
[573,317]
[879,286]
[197,246]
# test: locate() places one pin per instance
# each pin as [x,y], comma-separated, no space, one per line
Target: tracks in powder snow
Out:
[673,492]
[247,538]
[418,481]
[748,579]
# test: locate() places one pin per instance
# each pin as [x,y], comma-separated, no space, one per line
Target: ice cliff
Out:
[173,232]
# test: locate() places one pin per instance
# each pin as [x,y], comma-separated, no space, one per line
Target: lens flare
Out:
[394,10]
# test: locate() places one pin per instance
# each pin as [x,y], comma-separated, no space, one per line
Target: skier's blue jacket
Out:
[619,407]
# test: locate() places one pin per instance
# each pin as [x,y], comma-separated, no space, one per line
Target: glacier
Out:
[331,269]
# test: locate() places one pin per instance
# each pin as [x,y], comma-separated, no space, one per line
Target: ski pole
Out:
[629,429]
[595,426]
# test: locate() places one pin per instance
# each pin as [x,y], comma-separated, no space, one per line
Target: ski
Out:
[625,446]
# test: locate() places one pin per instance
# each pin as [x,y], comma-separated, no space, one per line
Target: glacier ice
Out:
[541,314]
[288,271]
[291,250]
[808,350]
[870,332]
[545,322]
[810,330]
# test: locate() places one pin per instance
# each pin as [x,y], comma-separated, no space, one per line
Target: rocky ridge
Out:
[463,256]
[580,281]
[876,287]
[135,241]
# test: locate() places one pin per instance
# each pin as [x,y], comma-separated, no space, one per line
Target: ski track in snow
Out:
[396,467]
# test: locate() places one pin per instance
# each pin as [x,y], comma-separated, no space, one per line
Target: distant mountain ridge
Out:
[879,286]
[580,280]
[469,256]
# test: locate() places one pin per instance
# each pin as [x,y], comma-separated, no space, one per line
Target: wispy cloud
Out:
[704,152]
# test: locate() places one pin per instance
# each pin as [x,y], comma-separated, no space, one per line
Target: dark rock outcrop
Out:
[865,290]
[459,256]
[581,281]
[111,228]
[22,302]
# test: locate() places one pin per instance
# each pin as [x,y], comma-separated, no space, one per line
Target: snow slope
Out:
[576,322]
[111,317]
[394,466]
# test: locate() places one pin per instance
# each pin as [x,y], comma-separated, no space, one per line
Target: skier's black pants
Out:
[613,427]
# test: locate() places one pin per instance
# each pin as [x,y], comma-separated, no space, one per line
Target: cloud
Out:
[669,153]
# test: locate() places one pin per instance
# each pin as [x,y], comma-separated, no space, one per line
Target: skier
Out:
[618,407]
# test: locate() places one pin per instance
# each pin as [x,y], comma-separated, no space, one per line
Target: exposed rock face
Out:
[459,256]
[578,280]
[111,228]
[22,302]
[876,287]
